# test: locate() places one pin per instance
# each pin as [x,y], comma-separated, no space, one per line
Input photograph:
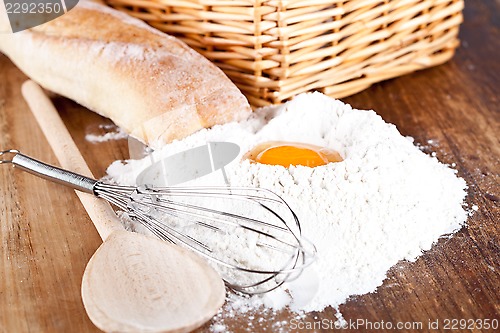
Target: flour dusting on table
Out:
[387,201]
[111,132]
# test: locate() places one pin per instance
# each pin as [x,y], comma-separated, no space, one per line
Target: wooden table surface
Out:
[47,238]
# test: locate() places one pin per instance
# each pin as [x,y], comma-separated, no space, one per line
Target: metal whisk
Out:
[250,235]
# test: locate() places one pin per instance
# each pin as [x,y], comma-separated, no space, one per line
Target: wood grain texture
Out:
[47,239]
[57,135]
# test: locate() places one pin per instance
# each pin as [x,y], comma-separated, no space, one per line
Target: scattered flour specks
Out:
[111,132]
[386,202]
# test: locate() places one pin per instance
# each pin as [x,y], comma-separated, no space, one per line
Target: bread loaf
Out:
[152,85]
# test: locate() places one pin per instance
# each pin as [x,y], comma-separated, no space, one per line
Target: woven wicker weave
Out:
[275,49]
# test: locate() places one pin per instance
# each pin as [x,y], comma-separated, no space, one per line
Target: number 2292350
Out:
[462,324]
[33,8]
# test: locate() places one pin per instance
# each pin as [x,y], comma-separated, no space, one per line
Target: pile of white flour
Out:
[387,201]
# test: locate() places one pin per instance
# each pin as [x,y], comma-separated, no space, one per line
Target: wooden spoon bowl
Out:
[137,283]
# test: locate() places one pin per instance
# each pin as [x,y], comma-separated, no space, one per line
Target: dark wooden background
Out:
[47,238]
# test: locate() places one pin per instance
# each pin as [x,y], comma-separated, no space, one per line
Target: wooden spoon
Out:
[133,282]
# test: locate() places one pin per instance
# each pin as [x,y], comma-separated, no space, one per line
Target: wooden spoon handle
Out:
[69,156]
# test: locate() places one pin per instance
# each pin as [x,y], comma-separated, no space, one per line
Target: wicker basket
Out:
[275,49]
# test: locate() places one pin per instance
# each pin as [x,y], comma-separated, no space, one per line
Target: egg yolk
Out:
[286,154]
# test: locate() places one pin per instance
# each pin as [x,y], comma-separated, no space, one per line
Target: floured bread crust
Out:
[152,85]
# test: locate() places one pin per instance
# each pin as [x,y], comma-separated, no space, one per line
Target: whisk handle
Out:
[52,173]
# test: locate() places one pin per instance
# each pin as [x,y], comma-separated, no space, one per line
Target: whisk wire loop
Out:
[5,152]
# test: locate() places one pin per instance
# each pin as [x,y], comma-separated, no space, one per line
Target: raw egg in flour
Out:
[291,153]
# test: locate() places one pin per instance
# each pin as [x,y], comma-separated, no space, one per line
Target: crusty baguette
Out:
[152,85]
